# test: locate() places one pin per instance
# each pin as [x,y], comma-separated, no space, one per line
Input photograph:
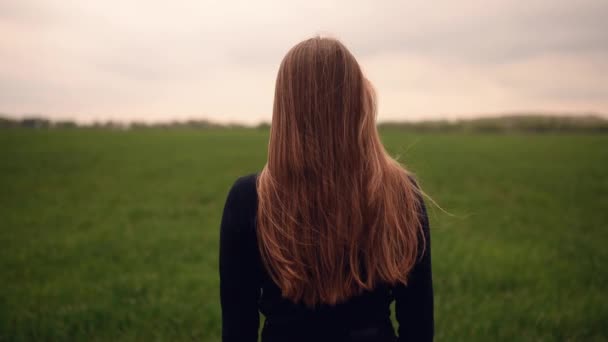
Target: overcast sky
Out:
[161,60]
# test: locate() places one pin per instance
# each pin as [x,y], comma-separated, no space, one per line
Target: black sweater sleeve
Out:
[414,302]
[239,275]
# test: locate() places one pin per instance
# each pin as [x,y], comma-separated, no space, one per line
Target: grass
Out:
[113,235]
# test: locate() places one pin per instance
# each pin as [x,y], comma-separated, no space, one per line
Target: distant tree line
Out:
[532,123]
[43,123]
[508,123]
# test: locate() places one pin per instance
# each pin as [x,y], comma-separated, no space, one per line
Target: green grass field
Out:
[113,235]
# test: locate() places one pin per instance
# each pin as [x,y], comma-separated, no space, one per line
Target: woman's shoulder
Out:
[243,191]
[245,184]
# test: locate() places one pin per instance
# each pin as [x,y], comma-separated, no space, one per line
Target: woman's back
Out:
[333,228]
[247,289]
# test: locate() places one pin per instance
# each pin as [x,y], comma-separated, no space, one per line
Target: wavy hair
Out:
[336,214]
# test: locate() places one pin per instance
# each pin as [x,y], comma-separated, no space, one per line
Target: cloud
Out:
[153,60]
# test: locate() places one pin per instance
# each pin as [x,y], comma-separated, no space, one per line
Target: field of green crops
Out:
[113,235]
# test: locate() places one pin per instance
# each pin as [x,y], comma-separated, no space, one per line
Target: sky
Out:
[193,59]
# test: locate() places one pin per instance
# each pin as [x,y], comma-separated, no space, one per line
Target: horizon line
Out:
[215,121]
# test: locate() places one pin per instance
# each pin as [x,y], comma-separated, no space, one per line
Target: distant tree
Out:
[65,124]
[263,125]
[34,122]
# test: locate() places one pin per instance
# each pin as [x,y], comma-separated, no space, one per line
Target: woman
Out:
[332,230]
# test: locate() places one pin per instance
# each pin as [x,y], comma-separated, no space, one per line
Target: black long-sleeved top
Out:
[246,289]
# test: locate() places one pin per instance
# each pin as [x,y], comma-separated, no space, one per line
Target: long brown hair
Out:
[336,214]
